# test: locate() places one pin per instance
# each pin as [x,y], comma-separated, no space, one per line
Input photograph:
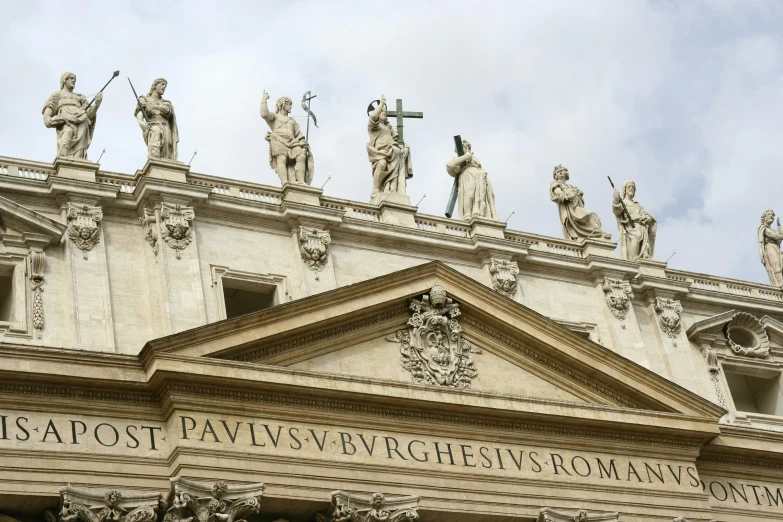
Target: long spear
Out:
[625,209]
[143,112]
[113,76]
[455,186]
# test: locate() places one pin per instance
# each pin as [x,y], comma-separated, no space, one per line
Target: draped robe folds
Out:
[383,145]
[637,242]
[162,135]
[286,139]
[71,108]
[476,197]
[577,222]
[769,250]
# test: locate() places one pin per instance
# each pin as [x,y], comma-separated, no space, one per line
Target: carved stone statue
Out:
[391,161]
[637,242]
[476,197]
[67,112]
[769,248]
[160,132]
[287,143]
[577,222]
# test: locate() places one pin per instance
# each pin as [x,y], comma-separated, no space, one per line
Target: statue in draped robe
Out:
[476,197]
[769,248]
[160,133]
[638,241]
[287,145]
[578,223]
[67,112]
[391,160]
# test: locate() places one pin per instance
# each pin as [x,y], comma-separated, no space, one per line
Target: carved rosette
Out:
[746,336]
[618,296]
[147,222]
[313,246]
[176,226]
[551,515]
[36,271]
[112,506]
[84,226]
[433,349]
[346,507]
[504,276]
[194,502]
[669,315]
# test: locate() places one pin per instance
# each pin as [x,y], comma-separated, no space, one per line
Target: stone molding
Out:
[504,276]
[550,515]
[375,508]
[314,247]
[84,226]
[195,502]
[176,229]
[669,315]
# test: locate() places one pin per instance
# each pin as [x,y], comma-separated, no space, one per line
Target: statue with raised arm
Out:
[390,159]
[769,248]
[578,223]
[73,117]
[160,132]
[476,197]
[287,143]
[637,241]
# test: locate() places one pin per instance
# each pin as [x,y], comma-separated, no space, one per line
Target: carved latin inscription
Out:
[504,276]
[83,226]
[175,229]
[433,349]
[669,315]
[618,296]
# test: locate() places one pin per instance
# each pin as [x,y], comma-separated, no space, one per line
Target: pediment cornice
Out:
[34,228]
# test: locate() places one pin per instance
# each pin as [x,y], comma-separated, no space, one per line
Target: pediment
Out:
[21,226]
[344,333]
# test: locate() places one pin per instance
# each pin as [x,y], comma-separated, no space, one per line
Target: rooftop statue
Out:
[158,122]
[72,116]
[390,158]
[637,241]
[476,197]
[577,222]
[769,248]
[287,144]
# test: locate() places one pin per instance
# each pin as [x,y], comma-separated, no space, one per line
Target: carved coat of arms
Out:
[83,226]
[176,230]
[433,349]
[313,247]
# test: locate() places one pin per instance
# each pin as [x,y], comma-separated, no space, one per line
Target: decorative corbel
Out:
[84,226]
[176,226]
[504,276]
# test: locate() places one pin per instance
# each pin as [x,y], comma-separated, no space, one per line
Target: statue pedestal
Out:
[652,268]
[598,247]
[398,213]
[305,194]
[165,169]
[480,226]
[71,168]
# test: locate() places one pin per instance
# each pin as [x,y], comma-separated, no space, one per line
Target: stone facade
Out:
[218,350]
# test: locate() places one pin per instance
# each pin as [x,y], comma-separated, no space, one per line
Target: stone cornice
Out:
[26,220]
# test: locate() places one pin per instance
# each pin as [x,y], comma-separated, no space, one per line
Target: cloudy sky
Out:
[686,98]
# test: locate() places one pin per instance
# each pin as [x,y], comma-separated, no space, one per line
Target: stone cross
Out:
[400,114]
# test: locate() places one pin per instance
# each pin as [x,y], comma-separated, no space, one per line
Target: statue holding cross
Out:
[388,153]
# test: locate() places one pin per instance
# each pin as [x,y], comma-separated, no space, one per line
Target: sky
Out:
[685,98]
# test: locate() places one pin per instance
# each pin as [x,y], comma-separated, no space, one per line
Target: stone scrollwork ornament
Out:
[83,226]
[669,315]
[433,349]
[551,515]
[618,296]
[112,506]
[37,279]
[194,502]
[504,276]
[746,336]
[313,245]
[176,227]
[147,222]
[346,507]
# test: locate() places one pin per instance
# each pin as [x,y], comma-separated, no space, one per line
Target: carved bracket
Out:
[550,515]
[504,276]
[194,502]
[433,349]
[346,507]
[36,272]
[84,226]
[313,245]
[112,506]
[176,226]
[147,222]
[669,315]
[618,296]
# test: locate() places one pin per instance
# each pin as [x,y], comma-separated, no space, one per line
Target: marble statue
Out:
[476,197]
[391,160]
[637,242]
[769,248]
[160,132]
[69,113]
[287,144]
[578,223]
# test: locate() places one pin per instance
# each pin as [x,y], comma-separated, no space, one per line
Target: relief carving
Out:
[433,349]
[37,278]
[83,226]
[504,276]
[313,245]
[745,335]
[176,227]
[194,502]
[669,315]
[550,515]
[112,506]
[618,296]
[346,507]
[147,222]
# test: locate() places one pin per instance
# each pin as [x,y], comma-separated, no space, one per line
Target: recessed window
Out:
[756,394]
[6,293]
[243,297]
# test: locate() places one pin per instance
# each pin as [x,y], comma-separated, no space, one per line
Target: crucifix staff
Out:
[399,114]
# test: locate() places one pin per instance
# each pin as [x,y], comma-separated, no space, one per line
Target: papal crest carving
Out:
[433,349]
[504,276]
[669,318]
[83,226]
[618,294]
[175,229]
[313,245]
